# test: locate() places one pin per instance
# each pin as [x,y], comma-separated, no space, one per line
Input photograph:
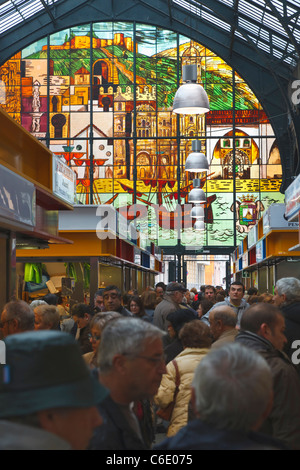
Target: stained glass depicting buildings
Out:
[100,95]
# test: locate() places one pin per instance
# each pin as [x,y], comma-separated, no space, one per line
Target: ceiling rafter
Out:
[234,25]
[170,9]
[284,25]
[226,14]
[48,10]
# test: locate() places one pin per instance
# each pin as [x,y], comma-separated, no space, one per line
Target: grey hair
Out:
[21,311]
[226,314]
[171,293]
[100,319]
[36,303]
[125,335]
[233,386]
[49,314]
[290,286]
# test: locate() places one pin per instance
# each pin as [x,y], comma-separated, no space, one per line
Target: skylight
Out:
[13,12]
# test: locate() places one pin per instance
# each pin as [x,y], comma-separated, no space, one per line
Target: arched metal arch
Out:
[268,77]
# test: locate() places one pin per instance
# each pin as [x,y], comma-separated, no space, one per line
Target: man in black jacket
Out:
[82,315]
[262,329]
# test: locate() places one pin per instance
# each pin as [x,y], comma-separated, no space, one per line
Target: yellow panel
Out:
[85,244]
[278,243]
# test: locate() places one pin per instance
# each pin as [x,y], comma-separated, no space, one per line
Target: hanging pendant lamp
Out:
[199,225]
[197,212]
[196,161]
[190,98]
[197,195]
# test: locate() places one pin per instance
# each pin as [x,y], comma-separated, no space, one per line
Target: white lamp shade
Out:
[191,98]
[199,225]
[197,196]
[197,212]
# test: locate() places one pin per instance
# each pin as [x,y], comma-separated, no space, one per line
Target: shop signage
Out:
[252,236]
[292,198]
[245,259]
[152,263]
[17,198]
[64,180]
[137,256]
[275,218]
[260,251]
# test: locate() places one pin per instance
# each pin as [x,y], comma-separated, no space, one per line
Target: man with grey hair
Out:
[131,365]
[17,316]
[231,396]
[222,322]
[46,317]
[287,298]
[172,301]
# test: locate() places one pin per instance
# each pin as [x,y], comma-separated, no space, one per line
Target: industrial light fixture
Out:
[190,98]
[197,212]
[197,195]
[196,161]
[199,225]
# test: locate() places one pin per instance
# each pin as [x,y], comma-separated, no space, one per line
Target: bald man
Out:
[222,325]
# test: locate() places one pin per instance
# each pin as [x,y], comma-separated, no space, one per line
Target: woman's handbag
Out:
[166,413]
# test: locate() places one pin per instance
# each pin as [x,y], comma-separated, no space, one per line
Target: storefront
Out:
[270,251]
[100,255]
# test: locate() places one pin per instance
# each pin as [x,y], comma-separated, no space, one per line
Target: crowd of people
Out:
[224,364]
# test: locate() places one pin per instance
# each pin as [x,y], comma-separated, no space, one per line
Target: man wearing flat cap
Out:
[172,301]
[48,397]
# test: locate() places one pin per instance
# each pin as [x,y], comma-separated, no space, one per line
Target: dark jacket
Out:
[114,433]
[284,420]
[123,311]
[198,435]
[291,314]
[150,313]
[173,349]
[84,340]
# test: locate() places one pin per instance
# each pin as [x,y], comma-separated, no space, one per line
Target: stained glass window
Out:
[100,96]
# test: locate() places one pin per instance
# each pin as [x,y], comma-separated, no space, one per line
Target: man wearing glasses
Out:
[131,365]
[112,297]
